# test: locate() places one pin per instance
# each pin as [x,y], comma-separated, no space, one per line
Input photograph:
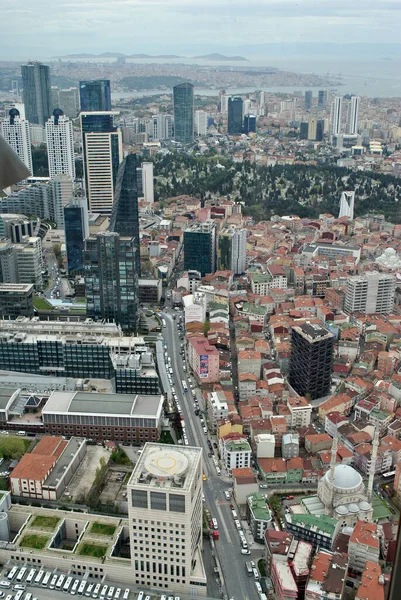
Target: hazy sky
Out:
[43,28]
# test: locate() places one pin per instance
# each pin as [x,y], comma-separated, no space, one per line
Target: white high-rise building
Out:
[162,127]
[347,202]
[201,122]
[336,116]
[165,520]
[224,103]
[246,107]
[370,293]
[16,133]
[60,145]
[147,182]
[61,195]
[238,251]
[352,116]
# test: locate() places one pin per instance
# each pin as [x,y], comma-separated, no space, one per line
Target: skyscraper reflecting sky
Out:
[183,97]
[95,95]
[36,85]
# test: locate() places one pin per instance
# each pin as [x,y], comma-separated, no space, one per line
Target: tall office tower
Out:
[60,145]
[54,99]
[322,98]
[249,124]
[76,229]
[201,122]
[224,103]
[111,279]
[370,293]
[352,116]
[15,88]
[16,133]
[147,183]
[165,520]
[312,129]
[303,130]
[232,250]
[219,102]
[124,218]
[183,99]
[311,360]
[347,205]
[162,127]
[36,84]
[234,126]
[102,155]
[308,99]
[95,95]
[200,248]
[246,107]
[69,102]
[320,130]
[262,99]
[59,194]
[336,116]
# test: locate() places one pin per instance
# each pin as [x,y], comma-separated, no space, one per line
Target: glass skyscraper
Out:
[183,98]
[234,116]
[249,124]
[111,279]
[124,218]
[95,95]
[200,248]
[36,84]
[76,229]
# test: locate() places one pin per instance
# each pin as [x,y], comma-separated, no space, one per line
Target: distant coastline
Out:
[214,56]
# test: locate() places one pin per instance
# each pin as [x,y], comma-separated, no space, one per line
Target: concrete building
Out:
[21,263]
[370,293]
[150,291]
[336,117]
[68,101]
[330,250]
[250,361]
[145,183]
[318,530]
[300,410]
[102,154]
[235,451]
[204,360]
[217,409]
[327,577]
[121,417]
[258,516]
[15,130]
[290,445]
[283,579]
[45,473]
[60,145]
[44,200]
[265,445]
[195,306]
[364,545]
[352,116]
[36,92]
[165,519]
[201,122]
[200,247]
[162,127]
[16,300]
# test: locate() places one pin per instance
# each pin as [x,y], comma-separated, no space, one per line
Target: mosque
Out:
[341,493]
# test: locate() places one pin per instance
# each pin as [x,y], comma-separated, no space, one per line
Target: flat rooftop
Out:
[313,331]
[106,404]
[5,397]
[164,466]
[16,287]
[63,462]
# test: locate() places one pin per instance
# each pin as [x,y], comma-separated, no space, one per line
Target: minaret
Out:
[333,462]
[372,471]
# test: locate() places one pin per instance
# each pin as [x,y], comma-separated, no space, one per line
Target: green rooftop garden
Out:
[92,550]
[45,522]
[102,528]
[41,303]
[38,542]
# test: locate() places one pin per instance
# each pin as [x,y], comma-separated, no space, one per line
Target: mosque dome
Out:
[365,506]
[342,510]
[353,508]
[345,478]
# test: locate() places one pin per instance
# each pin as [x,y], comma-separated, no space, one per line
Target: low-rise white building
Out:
[300,410]
[265,445]
[235,451]
[217,408]
[195,308]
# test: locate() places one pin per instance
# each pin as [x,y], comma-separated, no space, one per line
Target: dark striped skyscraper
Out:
[36,85]
[183,98]
[95,95]
[234,125]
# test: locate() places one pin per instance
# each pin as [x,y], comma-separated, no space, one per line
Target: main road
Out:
[237,584]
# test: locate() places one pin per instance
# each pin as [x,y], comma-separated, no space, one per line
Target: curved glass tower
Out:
[183,98]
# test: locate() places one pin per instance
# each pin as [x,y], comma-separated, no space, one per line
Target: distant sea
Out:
[377,77]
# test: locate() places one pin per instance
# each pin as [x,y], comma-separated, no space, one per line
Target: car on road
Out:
[227,495]
[245,551]
[204,477]
[290,498]
[263,486]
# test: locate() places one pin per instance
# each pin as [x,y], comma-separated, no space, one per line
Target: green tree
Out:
[12,447]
